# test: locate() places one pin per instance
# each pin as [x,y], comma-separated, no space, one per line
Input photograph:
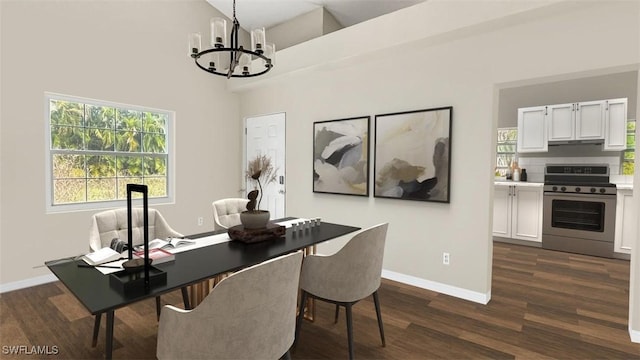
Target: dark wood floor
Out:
[545,305]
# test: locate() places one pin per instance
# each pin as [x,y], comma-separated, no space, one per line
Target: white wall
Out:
[132,52]
[299,29]
[463,66]
[329,23]
[634,292]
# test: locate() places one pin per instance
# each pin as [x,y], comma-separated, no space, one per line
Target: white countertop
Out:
[518,183]
[624,186]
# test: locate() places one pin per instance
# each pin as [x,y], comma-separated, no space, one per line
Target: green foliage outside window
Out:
[97,150]
[628,156]
[506,149]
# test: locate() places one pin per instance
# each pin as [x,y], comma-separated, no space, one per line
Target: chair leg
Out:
[349,329]
[96,330]
[158,307]
[303,301]
[376,301]
[335,320]
[185,298]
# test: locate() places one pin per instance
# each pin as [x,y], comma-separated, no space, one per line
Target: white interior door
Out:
[266,135]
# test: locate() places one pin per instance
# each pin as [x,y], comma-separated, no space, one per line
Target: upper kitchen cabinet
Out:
[576,121]
[602,120]
[561,120]
[590,120]
[615,125]
[532,129]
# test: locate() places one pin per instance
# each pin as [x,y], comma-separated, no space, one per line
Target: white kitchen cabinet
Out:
[576,121]
[615,125]
[532,130]
[561,122]
[626,226]
[590,120]
[502,210]
[517,212]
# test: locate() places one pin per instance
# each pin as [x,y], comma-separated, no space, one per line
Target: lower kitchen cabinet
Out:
[517,212]
[625,222]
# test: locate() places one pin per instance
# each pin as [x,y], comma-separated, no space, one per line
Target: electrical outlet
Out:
[200,221]
[445,258]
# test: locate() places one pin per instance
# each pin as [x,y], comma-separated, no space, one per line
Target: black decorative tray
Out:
[128,282]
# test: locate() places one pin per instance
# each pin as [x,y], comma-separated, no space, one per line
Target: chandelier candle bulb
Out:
[258,40]
[270,53]
[215,61]
[218,32]
[195,43]
[245,64]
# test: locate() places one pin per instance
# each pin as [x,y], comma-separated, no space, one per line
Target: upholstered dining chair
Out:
[249,315]
[110,224]
[346,277]
[226,212]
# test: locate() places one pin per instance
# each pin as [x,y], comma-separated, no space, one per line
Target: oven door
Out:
[581,216]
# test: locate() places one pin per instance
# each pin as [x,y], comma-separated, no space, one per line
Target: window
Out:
[96,148]
[506,149]
[629,155]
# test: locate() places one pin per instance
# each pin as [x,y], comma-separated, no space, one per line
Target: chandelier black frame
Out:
[235,51]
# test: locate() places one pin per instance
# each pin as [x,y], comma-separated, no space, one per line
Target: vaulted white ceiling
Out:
[266,13]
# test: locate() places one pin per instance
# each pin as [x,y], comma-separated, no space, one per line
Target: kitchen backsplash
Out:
[535,165]
[572,154]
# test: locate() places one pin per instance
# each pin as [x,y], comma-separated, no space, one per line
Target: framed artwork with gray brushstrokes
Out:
[412,155]
[341,156]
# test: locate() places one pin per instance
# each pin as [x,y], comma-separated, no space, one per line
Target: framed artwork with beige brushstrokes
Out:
[341,156]
[412,155]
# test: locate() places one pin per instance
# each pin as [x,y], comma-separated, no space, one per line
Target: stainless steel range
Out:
[579,209]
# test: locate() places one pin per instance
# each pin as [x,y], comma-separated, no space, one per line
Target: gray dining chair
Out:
[109,224]
[226,212]
[249,315]
[346,277]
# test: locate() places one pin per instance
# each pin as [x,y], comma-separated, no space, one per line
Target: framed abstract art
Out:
[412,155]
[341,156]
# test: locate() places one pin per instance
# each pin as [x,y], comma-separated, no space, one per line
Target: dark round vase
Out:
[256,219]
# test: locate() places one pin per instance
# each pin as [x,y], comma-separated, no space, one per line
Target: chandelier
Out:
[240,61]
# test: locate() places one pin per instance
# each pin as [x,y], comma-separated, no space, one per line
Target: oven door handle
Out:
[581,197]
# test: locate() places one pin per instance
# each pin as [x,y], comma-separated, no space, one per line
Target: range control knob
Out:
[555,188]
[602,190]
[563,189]
[593,190]
[578,189]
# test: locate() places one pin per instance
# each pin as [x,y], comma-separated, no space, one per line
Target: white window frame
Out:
[98,205]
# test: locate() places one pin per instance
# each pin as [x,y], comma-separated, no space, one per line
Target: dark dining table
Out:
[96,291]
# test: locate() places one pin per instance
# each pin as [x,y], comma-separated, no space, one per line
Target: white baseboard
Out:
[391,275]
[438,287]
[17,285]
[634,334]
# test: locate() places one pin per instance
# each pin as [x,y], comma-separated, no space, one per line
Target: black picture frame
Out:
[341,156]
[413,155]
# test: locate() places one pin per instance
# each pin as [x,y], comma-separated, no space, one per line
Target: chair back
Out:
[353,272]
[226,212]
[110,224]
[249,315]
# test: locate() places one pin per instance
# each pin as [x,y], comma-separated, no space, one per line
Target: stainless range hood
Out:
[576,142]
